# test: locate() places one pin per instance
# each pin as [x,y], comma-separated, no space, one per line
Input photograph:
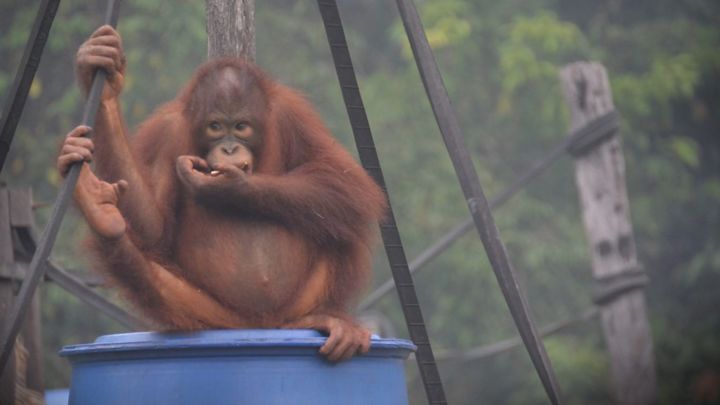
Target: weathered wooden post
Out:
[7,376]
[22,379]
[600,177]
[231,28]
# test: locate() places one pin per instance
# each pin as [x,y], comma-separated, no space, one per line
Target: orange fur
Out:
[291,240]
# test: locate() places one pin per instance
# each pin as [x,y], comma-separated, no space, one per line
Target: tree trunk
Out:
[600,177]
[231,28]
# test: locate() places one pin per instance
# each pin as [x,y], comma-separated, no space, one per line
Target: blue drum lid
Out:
[232,339]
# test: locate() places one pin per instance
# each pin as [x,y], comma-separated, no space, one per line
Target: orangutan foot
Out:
[98,202]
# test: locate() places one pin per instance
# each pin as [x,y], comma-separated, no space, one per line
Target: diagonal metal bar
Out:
[388,229]
[576,142]
[26,72]
[47,240]
[76,287]
[419,262]
[483,352]
[477,203]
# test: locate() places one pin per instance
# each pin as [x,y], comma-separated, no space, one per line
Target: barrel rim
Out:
[209,340]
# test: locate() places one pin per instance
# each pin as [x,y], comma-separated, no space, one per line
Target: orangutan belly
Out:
[249,266]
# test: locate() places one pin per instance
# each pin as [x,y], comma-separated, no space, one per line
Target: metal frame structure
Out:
[19,238]
[38,265]
[477,203]
[576,142]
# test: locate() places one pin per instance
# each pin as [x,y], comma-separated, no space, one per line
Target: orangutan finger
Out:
[120,187]
[184,164]
[79,131]
[104,30]
[332,341]
[228,170]
[101,62]
[66,161]
[105,40]
[197,163]
[80,142]
[85,153]
[364,345]
[107,52]
[345,350]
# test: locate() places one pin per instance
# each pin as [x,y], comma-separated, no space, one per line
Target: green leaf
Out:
[687,150]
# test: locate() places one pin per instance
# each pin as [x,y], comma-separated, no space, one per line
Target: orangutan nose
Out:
[230,149]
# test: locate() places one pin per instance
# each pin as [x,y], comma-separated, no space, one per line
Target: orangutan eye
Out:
[215,126]
[241,126]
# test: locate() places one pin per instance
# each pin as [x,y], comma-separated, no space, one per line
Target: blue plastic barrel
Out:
[233,367]
[57,396]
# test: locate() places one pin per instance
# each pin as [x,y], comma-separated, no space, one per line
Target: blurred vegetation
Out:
[500,62]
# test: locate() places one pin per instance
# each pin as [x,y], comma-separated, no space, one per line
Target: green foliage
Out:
[446,22]
[500,62]
[591,386]
[535,47]
[686,150]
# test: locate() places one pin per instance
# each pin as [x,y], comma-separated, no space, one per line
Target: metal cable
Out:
[388,229]
[445,241]
[482,352]
[477,203]
[577,141]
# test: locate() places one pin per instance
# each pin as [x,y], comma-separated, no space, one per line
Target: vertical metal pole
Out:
[47,240]
[477,203]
